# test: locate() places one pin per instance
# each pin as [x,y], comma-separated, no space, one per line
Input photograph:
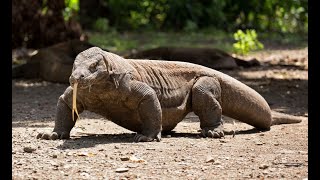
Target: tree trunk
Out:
[40,23]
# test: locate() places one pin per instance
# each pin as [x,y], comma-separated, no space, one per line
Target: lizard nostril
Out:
[81,76]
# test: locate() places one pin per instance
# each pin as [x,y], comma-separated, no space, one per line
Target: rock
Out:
[224,140]
[131,165]
[29,149]
[303,152]
[88,154]
[286,151]
[85,174]
[259,143]
[124,158]
[54,163]
[136,160]
[263,166]
[209,159]
[69,153]
[121,170]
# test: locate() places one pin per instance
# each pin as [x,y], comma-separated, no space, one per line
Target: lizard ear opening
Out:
[112,68]
[109,64]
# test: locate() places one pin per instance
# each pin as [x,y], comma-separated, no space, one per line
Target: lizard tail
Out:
[281,118]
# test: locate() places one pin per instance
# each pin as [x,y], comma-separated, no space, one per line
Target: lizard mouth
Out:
[83,83]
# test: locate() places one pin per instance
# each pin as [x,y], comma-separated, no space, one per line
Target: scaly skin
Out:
[149,97]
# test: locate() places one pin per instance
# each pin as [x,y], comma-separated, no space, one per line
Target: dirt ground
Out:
[99,149]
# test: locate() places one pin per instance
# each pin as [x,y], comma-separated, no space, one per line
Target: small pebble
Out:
[124,158]
[209,159]
[259,143]
[121,170]
[263,166]
[28,149]
[224,140]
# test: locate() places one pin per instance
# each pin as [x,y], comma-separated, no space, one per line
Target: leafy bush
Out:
[72,7]
[189,15]
[246,42]
[190,26]
[101,25]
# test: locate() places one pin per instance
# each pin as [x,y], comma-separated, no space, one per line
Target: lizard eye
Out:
[92,67]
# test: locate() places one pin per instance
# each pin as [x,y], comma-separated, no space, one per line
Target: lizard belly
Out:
[117,112]
[172,116]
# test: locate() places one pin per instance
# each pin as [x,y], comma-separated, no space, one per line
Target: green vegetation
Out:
[124,41]
[72,7]
[120,42]
[262,15]
[246,41]
[101,25]
[142,24]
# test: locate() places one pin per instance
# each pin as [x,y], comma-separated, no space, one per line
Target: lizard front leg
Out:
[150,112]
[63,119]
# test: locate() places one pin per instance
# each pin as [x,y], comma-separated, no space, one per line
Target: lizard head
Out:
[88,68]
[93,65]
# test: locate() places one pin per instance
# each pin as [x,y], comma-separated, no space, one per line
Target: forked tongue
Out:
[74,101]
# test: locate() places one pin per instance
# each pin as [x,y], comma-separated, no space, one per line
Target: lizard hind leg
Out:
[206,99]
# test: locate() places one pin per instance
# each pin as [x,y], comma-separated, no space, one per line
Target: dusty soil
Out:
[99,149]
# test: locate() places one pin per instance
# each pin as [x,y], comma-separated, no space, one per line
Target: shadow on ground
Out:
[91,140]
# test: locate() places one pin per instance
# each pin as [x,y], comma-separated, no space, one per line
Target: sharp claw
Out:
[142,138]
[203,133]
[45,136]
[136,137]
[54,136]
[210,134]
[158,137]
[215,135]
[39,135]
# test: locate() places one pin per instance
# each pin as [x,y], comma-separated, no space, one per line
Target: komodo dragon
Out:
[209,57]
[150,97]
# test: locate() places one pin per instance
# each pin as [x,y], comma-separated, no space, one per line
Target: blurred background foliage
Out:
[262,15]
[116,23]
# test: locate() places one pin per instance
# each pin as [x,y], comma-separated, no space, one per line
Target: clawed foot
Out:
[216,132]
[53,135]
[143,138]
